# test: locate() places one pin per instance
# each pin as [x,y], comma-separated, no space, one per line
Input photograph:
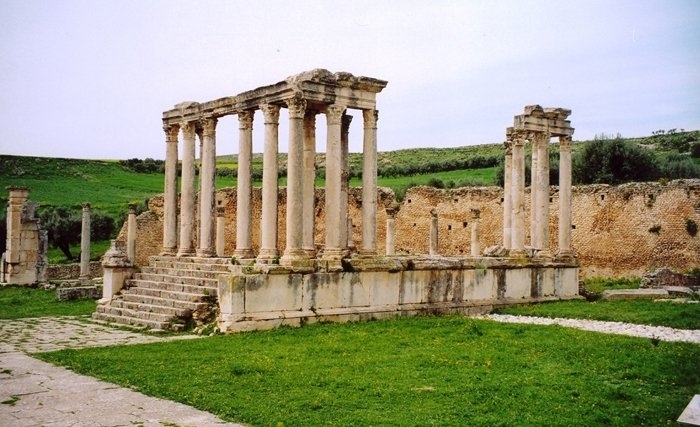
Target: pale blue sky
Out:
[90,79]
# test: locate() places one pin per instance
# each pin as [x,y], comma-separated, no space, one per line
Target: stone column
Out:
[391,229]
[208,188]
[345,178]
[269,219]
[534,170]
[187,191]
[85,244]
[131,234]
[433,232]
[542,210]
[17,197]
[518,196]
[334,244]
[244,192]
[507,199]
[295,209]
[369,183]
[309,183]
[220,231]
[565,250]
[170,197]
[475,249]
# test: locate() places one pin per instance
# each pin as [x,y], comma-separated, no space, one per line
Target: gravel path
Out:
[644,331]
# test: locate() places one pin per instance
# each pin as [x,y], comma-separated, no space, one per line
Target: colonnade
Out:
[537,126]
[190,119]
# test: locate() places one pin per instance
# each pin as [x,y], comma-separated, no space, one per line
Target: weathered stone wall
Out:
[71,271]
[611,237]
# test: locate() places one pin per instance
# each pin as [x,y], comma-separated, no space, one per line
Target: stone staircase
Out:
[169,294]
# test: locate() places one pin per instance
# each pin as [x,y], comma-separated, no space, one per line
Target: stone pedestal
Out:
[116,270]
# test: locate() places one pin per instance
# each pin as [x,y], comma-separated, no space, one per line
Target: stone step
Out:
[149,308]
[205,274]
[169,260]
[141,313]
[222,268]
[164,278]
[170,290]
[131,321]
[162,302]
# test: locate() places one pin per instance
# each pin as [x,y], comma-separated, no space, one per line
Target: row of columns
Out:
[300,185]
[514,194]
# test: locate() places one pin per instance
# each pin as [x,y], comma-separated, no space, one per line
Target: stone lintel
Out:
[542,124]
[319,87]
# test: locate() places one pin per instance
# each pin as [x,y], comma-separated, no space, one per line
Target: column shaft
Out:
[507,190]
[131,234]
[244,195]
[534,194]
[565,249]
[542,210]
[220,232]
[433,248]
[390,234]
[309,182]
[269,220]
[208,188]
[475,247]
[334,244]
[187,194]
[295,211]
[170,190]
[369,183]
[345,232]
[518,197]
[85,243]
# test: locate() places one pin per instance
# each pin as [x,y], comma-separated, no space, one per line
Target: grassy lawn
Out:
[644,312]
[20,301]
[448,371]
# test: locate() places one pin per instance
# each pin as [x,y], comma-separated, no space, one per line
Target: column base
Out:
[544,254]
[565,255]
[517,253]
[268,256]
[206,253]
[168,252]
[243,253]
[333,254]
[310,252]
[186,252]
[368,253]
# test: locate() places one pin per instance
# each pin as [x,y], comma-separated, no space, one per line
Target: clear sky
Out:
[90,79]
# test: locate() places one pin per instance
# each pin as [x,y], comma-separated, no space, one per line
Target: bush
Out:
[695,150]
[676,166]
[613,161]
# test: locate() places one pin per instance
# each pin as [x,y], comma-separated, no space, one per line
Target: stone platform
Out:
[263,296]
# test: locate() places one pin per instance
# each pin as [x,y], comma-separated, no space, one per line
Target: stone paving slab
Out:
[36,393]
[691,414]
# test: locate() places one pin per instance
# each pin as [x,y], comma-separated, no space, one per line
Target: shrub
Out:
[613,161]
[691,227]
[677,166]
[695,150]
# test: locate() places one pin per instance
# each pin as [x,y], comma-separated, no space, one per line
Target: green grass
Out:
[18,302]
[97,249]
[644,312]
[449,371]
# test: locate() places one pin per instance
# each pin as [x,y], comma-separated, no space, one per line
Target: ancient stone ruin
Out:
[193,279]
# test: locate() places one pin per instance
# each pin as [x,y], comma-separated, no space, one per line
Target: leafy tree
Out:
[64,226]
[613,161]
[676,166]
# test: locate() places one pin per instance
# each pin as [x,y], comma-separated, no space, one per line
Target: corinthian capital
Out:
[334,113]
[296,106]
[245,119]
[208,125]
[271,113]
[564,143]
[370,117]
[171,132]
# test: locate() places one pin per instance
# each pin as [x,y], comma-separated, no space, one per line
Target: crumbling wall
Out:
[621,230]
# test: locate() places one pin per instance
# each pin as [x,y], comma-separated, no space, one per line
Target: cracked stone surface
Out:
[36,393]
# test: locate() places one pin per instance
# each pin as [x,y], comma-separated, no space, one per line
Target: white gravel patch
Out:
[643,331]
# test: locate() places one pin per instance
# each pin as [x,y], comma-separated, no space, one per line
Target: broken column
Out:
[391,228]
[85,244]
[24,260]
[433,232]
[475,248]
[220,231]
[116,269]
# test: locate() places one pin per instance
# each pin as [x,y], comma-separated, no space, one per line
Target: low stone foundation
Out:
[268,296]
[78,292]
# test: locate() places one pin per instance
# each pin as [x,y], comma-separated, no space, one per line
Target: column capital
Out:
[370,117]
[271,113]
[334,114]
[171,132]
[132,208]
[565,143]
[296,106]
[476,213]
[245,119]
[86,206]
[508,146]
[188,128]
[208,125]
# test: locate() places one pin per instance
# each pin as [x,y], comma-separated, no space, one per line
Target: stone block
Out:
[624,294]
[518,283]
[78,292]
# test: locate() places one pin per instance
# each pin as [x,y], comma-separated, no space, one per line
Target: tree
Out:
[63,225]
[613,161]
